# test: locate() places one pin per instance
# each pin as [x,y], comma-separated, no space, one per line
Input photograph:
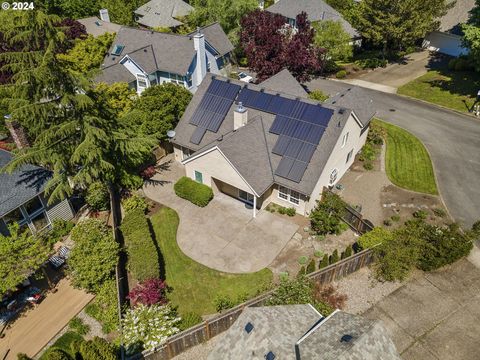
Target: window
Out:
[294,197]
[142,82]
[176,79]
[33,205]
[289,195]
[40,221]
[198,177]
[209,66]
[345,139]
[13,216]
[333,176]
[283,193]
[349,156]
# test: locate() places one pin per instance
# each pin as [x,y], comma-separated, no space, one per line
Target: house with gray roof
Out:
[447,39]
[22,198]
[96,27]
[143,58]
[162,13]
[262,144]
[300,332]
[316,10]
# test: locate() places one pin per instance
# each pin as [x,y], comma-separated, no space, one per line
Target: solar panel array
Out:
[300,127]
[213,108]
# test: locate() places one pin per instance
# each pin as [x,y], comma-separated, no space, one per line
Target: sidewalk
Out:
[32,331]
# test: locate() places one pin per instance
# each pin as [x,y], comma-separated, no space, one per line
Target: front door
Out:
[245,196]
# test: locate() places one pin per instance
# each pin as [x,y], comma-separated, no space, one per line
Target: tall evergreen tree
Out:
[395,25]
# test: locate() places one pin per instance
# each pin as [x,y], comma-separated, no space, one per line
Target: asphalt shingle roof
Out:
[156,51]
[92,28]
[20,186]
[252,169]
[285,82]
[317,10]
[458,14]
[163,13]
[358,100]
[275,329]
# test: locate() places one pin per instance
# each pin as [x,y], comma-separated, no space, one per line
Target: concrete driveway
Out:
[395,75]
[223,235]
[435,316]
[452,139]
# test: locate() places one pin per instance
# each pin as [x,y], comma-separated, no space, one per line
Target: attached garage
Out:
[445,43]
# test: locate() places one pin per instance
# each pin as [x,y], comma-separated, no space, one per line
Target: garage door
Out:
[445,43]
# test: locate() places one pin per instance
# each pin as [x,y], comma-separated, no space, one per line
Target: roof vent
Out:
[341,111]
[334,102]
[249,327]
[145,50]
[262,90]
[228,81]
[270,356]
[339,124]
[346,338]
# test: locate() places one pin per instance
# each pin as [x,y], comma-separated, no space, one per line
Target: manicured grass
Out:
[408,164]
[456,90]
[64,343]
[195,286]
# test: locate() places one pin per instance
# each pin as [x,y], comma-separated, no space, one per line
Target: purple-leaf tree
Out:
[149,292]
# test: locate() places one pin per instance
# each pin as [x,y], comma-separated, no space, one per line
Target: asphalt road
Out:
[452,139]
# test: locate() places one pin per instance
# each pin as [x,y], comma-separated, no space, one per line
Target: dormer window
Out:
[117,49]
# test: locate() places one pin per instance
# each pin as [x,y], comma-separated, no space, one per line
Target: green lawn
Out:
[408,164]
[456,90]
[195,286]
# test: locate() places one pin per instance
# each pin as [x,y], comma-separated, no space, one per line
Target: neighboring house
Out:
[162,13]
[143,57]
[316,10]
[22,200]
[96,27]
[300,332]
[448,38]
[260,144]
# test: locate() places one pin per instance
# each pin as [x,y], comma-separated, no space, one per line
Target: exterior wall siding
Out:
[300,208]
[214,165]
[62,210]
[338,159]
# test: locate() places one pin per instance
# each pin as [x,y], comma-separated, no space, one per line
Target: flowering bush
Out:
[150,292]
[148,173]
[7,146]
[146,327]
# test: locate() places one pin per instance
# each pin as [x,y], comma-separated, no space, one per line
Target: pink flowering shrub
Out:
[149,292]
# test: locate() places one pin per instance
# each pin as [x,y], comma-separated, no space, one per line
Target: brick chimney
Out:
[17,132]
[199,45]
[240,116]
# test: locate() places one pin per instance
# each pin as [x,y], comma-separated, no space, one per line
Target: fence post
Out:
[207,330]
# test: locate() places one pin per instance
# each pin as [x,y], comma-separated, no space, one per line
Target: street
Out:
[452,139]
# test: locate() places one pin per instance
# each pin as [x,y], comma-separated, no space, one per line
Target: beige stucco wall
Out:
[338,159]
[214,165]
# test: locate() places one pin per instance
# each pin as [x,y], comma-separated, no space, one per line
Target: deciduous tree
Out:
[331,36]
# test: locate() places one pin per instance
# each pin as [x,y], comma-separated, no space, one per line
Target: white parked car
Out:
[244,77]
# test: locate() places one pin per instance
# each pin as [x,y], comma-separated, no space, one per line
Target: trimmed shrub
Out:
[310,267]
[367,165]
[76,324]
[98,198]
[324,262]
[318,253]
[56,354]
[135,202]
[98,348]
[104,307]
[347,253]
[334,257]
[373,238]
[143,260]
[387,222]
[326,217]
[302,271]
[196,193]
[342,74]
[439,212]
[420,214]
[290,211]
[302,260]
[190,319]
[223,302]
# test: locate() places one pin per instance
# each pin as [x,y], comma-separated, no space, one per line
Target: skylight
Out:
[270,356]
[249,327]
[117,49]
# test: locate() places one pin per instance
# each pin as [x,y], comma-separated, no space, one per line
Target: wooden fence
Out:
[208,329]
[355,220]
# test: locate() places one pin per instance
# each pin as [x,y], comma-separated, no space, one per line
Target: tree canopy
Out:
[331,36]
[471,37]
[20,254]
[271,46]
[396,25]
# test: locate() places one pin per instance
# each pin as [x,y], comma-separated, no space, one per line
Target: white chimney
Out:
[240,116]
[104,15]
[199,45]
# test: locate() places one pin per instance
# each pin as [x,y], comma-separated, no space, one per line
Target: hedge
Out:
[193,191]
[143,260]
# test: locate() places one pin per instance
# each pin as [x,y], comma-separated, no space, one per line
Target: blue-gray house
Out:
[144,58]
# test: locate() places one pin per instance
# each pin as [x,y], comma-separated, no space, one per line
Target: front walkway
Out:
[32,331]
[223,235]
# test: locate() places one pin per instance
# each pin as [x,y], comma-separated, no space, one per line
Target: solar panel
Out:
[197,135]
[281,145]
[293,148]
[297,171]
[302,131]
[315,135]
[306,152]
[284,167]
[278,125]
